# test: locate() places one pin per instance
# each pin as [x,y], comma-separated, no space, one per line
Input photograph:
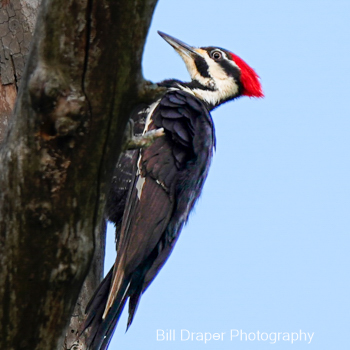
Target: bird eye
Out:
[216,55]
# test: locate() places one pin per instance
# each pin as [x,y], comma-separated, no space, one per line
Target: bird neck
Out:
[210,97]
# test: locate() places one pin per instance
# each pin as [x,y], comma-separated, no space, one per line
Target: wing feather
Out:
[168,178]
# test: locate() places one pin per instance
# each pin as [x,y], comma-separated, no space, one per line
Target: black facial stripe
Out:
[202,67]
[230,69]
[194,84]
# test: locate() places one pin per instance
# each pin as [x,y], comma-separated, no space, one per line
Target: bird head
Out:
[217,75]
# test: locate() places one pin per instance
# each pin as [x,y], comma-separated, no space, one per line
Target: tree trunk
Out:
[17,20]
[72,340]
[82,79]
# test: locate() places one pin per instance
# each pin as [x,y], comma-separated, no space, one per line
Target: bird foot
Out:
[141,141]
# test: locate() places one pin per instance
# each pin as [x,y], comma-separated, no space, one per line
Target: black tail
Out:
[96,305]
[101,330]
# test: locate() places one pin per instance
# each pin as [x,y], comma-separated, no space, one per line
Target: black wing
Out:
[168,180]
[115,205]
[123,174]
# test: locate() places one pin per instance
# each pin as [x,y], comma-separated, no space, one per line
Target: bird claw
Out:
[144,140]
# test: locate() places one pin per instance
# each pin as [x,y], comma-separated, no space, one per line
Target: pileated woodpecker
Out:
[155,188]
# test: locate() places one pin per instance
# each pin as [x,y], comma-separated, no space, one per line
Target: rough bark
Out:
[74,340]
[17,20]
[82,79]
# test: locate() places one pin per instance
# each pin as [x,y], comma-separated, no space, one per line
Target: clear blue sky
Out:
[267,248]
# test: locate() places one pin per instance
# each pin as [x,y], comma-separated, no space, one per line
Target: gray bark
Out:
[74,340]
[17,20]
[82,79]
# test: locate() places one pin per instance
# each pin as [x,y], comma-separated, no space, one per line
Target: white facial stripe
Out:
[215,70]
[212,97]
[228,59]
[204,81]
[225,86]
[192,69]
[233,63]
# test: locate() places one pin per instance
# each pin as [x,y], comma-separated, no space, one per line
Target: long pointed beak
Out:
[179,46]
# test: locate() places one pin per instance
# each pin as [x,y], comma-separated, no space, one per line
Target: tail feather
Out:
[95,307]
[107,327]
[108,302]
[102,329]
[133,304]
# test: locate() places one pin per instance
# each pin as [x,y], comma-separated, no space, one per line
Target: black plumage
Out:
[174,168]
[155,188]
